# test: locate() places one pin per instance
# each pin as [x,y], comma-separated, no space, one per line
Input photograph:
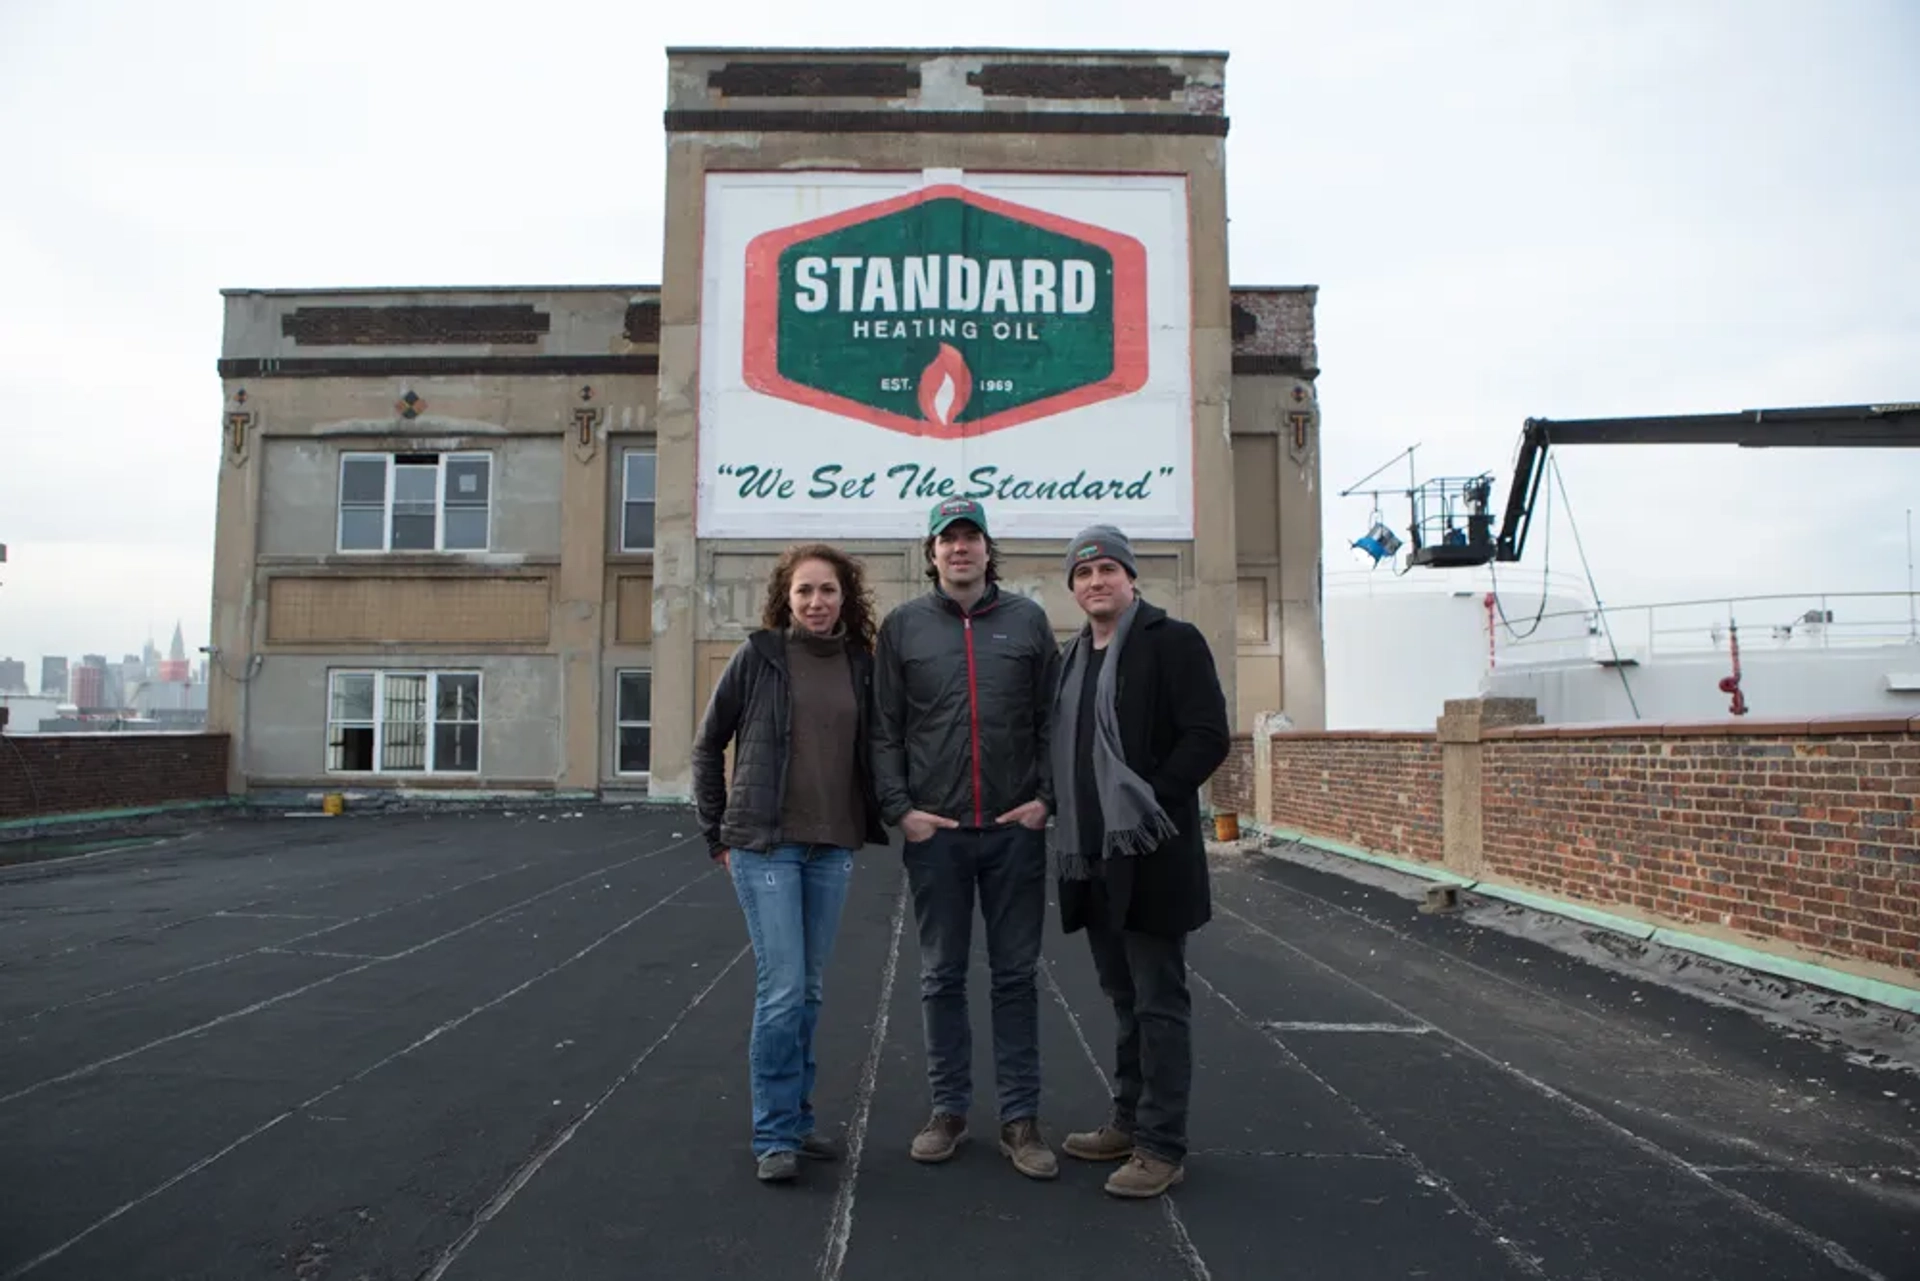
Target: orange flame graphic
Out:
[946,384]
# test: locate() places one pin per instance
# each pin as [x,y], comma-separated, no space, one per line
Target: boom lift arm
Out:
[1835,426]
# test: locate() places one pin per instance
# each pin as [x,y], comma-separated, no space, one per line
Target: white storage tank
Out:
[1399,646]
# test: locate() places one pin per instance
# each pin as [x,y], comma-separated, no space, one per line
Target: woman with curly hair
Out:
[795,702]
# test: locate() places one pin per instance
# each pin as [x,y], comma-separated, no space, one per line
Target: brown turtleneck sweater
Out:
[823,804]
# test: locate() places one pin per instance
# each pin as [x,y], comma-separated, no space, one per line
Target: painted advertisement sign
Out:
[871,343]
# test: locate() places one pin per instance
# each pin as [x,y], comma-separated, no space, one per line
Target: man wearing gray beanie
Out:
[1101,541]
[1139,723]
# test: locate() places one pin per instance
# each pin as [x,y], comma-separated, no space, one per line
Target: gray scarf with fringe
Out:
[1133,820]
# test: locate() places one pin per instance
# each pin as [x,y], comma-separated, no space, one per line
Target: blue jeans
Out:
[791,897]
[1007,868]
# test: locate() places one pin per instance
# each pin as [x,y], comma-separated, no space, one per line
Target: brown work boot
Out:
[1020,1140]
[939,1137]
[1108,1143]
[1145,1175]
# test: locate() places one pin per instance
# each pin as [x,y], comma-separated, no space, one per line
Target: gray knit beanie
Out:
[1096,542]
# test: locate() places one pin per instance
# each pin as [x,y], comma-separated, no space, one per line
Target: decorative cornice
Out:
[428,366]
[1016,122]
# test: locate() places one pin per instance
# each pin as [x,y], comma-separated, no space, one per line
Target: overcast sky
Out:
[1510,209]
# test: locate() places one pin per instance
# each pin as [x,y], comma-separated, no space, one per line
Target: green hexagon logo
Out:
[945,313]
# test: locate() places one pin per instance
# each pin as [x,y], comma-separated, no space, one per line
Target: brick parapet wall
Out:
[46,774]
[1799,833]
[1379,791]
[1232,786]
[1805,832]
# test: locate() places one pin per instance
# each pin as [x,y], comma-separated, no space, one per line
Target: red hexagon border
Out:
[760,356]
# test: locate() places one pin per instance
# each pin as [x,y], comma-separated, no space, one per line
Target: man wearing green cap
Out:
[963,680]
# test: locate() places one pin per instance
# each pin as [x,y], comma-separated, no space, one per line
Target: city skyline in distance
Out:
[30,673]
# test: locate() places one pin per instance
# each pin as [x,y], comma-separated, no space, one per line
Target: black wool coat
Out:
[1174,734]
[752,708]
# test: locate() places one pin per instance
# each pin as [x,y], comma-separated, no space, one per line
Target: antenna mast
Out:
[1913,618]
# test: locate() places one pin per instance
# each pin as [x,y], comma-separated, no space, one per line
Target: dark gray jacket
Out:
[752,707]
[961,705]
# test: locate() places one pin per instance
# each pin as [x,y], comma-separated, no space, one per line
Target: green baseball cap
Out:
[949,510]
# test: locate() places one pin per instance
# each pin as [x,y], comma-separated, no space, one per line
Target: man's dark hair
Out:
[993,558]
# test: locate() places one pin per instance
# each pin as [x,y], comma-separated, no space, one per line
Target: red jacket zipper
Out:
[973,715]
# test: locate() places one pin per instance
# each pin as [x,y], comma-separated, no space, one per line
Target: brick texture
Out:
[1232,785]
[497,608]
[642,322]
[1806,838]
[510,323]
[815,80]
[1378,791]
[1800,833]
[435,366]
[1075,81]
[74,773]
[1275,322]
[1166,124]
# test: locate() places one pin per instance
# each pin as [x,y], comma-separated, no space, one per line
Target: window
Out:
[350,722]
[403,722]
[456,722]
[415,502]
[636,505]
[633,747]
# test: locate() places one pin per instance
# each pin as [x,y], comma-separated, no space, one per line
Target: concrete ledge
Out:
[1560,907]
[34,823]
[370,800]
[1860,987]
[1807,727]
[624,796]
[401,785]
[1357,735]
[1814,727]
[1431,871]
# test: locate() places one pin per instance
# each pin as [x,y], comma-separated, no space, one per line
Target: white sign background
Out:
[1145,434]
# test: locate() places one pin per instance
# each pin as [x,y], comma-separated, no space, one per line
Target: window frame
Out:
[619,724]
[390,459]
[627,500]
[432,767]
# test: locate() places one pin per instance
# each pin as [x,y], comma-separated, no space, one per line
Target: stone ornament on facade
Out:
[239,427]
[1299,435]
[587,418]
[1300,423]
[586,431]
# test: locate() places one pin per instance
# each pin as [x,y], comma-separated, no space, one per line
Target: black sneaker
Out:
[815,1148]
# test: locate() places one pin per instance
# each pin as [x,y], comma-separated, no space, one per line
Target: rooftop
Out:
[348,290]
[977,51]
[513,1044]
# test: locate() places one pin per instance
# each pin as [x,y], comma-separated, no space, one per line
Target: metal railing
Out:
[1767,624]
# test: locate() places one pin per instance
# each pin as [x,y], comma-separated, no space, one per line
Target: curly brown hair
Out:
[857,610]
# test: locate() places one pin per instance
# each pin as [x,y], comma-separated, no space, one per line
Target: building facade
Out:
[504,539]
[88,684]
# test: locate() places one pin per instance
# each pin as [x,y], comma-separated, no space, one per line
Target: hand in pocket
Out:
[918,825]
